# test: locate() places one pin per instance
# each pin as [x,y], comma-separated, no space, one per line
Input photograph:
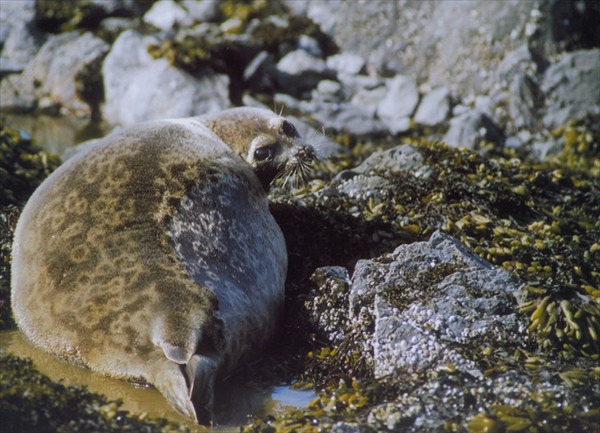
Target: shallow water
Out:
[234,401]
[55,133]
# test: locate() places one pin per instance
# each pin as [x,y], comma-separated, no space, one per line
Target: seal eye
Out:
[263,153]
[288,129]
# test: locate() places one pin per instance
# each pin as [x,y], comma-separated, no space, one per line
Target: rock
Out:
[464,40]
[15,13]
[310,45]
[20,39]
[232,26]
[341,117]
[370,179]
[541,149]
[400,159]
[434,107]
[572,87]
[364,187]
[260,73]
[470,128]
[15,96]
[58,133]
[358,83]
[329,91]
[388,418]
[398,104]
[63,76]
[346,427]
[128,8]
[431,299]
[524,102]
[417,408]
[166,14]
[300,62]
[299,72]
[327,303]
[519,61]
[113,26]
[349,118]
[202,10]
[346,63]
[369,99]
[138,87]
[22,44]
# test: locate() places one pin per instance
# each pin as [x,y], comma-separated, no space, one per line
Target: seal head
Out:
[268,142]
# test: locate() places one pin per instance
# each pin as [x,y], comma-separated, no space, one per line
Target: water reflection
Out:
[54,133]
[234,400]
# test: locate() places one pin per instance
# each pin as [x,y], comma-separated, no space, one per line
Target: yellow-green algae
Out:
[540,221]
[31,402]
[57,16]
[226,51]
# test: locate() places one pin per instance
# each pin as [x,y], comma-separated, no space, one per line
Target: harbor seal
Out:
[153,254]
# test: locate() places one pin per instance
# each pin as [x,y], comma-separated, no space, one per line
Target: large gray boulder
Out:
[15,13]
[470,128]
[63,77]
[572,87]
[138,87]
[432,300]
[20,39]
[453,52]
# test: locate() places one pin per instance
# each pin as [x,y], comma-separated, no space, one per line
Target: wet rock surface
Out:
[430,287]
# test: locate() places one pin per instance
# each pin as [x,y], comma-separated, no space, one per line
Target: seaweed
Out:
[31,402]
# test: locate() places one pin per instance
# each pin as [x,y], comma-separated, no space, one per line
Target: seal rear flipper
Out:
[172,382]
[201,372]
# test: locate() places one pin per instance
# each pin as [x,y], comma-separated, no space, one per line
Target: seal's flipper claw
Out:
[173,385]
[201,371]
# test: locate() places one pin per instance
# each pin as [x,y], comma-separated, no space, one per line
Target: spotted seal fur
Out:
[153,254]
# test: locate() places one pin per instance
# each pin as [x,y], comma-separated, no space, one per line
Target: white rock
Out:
[346,63]
[165,14]
[399,103]
[61,68]
[299,61]
[201,10]
[138,87]
[434,107]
